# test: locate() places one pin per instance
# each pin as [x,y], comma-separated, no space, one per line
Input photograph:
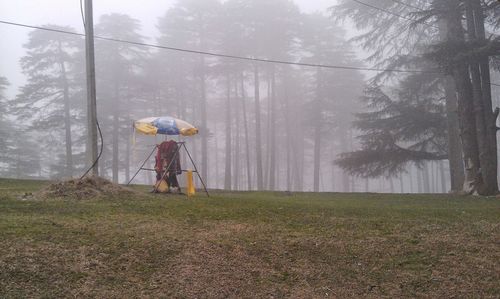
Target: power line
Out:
[403,17]
[422,10]
[407,5]
[228,56]
[222,55]
[393,13]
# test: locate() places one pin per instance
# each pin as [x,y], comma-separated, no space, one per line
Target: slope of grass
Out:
[249,244]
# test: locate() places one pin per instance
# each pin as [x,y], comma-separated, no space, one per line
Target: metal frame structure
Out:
[179,146]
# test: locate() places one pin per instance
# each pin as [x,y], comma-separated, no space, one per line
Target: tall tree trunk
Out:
[116,130]
[181,111]
[410,178]
[419,180]
[333,177]
[467,129]
[272,128]
[425,177]
[204,124]
[247,143]
[317,155]
[18,160]
[485,121]
[298,165]
[288,157]
[443,177]
[236,115]
[258,131]
[128,142]
[227,172]
[455,161]
[479,111]
[127,157]
[288,130]
[195,152]
[433,177]
[454,146]
[317,132]
[460,74]
[67,116]
[298,151]
[344,148]
[216,141]
[267,165]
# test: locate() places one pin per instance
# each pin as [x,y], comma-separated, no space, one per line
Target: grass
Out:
[248,245]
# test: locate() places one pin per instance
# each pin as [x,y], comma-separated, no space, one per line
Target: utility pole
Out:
[91,91]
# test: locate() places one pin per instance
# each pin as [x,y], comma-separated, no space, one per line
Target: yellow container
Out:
[161,186]
[190,183]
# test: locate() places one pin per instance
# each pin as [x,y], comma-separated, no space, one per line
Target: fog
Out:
[63,12]
[338,126]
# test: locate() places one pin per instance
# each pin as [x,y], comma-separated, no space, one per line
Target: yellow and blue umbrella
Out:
[165,125]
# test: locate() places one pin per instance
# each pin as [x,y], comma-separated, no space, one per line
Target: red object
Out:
[164,156]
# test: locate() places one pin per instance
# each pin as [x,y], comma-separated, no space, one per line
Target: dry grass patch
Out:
[82,189]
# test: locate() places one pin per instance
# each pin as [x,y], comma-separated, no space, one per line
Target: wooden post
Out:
[91,88]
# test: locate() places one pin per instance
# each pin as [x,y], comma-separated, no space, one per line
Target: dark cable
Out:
[407,5]
[224,55]
[97,122]
[231,56]
[81,10]
[403,17]
[393,13]
[100,152]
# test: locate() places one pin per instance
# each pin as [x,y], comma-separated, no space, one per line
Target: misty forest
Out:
[249,149]
[403,100]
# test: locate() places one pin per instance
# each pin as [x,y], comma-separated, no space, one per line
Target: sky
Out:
[67,12]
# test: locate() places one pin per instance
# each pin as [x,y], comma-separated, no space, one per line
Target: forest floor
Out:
[248,245]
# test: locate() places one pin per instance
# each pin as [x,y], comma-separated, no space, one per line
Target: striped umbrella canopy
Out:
[165,125]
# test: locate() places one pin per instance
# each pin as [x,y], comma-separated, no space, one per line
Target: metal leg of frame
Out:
[140,168]
[195,169]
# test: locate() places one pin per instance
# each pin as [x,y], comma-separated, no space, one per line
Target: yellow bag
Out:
[161,186]
[190,183]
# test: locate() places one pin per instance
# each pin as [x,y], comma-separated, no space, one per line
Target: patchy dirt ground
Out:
[80,189]
[252,245]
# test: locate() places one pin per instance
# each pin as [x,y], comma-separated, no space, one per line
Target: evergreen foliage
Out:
[409,127]
[452,36]
[48,102]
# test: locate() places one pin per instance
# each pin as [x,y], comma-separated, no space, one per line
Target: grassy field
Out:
[249,245]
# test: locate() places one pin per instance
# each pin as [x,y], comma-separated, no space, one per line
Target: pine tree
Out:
[463,55]
[264,29]
[19,157]
[47,102]
[191,24]
[118,69]
[328,113]
[5,130]
[407,128]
